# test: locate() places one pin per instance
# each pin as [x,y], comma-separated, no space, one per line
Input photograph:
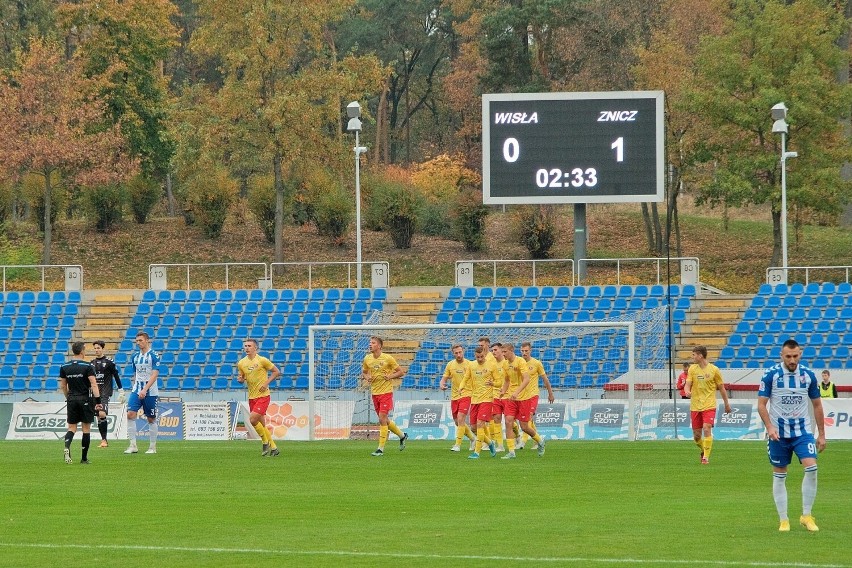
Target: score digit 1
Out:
[618,146]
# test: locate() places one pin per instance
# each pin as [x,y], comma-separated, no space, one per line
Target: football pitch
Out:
[642,504]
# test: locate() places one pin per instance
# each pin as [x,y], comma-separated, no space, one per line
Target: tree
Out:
[774,51]
[414,40]
[51,123]
[282,83]
[123,45]
[668,63]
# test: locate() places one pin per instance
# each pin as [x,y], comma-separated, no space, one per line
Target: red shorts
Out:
[497,407]
[259,405]
[702,417]
[526,409]
[511,407]
[383,403]
[460,406]
[482,411]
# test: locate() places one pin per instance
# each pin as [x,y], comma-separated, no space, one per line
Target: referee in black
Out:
[105,372]
[77,381]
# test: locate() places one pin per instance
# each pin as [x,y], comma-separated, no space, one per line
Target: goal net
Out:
[581,359]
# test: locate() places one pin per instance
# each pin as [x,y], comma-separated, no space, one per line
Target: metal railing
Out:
[688,270]
[775,274]
[465,269]
[72,273]
[379,271]
[158,273]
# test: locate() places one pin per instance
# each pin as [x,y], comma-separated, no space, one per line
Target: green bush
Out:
[536,230]
[261,199]
[104,204]
[436,219]
[210,195]
[333,214]
[144,193]
[397,207]
[470,220]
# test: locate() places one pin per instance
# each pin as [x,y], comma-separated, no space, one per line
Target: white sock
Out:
[809,489]
[153,430]
[779,493]
[131,431]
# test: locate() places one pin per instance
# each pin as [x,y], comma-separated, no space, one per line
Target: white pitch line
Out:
[425,556]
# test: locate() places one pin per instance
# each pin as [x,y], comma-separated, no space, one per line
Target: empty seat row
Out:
[795,314]
[799,289]
[771,339]
[544,304]
[805,326]
[564,292]
[42,297]
[35,334]
[20,310]
[239,308]
[822,301]
[257,295]
[37,321]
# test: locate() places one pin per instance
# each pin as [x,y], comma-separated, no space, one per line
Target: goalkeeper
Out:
[105,373]
[78,384]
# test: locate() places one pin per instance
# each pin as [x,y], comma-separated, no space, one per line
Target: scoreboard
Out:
[573,147]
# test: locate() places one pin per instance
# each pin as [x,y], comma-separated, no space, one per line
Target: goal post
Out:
[575,355]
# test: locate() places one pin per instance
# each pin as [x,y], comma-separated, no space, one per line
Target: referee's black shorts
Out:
[80,411]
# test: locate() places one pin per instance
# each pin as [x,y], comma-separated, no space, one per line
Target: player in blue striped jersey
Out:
[143,395]
[782,403]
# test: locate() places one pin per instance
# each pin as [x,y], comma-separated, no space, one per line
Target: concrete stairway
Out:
[415,305]
[105,314]
[709,322]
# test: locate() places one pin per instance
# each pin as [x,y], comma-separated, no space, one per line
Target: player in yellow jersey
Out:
[454,372]
[518,378]
[257,372]
[536,370]
[479,379]
[379,370]
[501,367]
[702,381]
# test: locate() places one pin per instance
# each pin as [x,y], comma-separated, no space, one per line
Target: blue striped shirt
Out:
[143,365]
[788,393]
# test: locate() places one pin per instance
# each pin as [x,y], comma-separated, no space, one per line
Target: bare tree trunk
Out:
[649,234]
[47,226]
[279,207]
[776,238]
[658,230]
[381,126]
[170,196]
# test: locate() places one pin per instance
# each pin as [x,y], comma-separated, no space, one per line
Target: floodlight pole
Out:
[353,111]
[779,114]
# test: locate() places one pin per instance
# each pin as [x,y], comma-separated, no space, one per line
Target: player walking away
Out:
[681,381]
[105,373]
[786,388]
[536,370]
[78,384]
[501,367]
[479,379]
[702,382]
[827,389]
[257,372]
[518,376]
[146,369]
[379,370]
[454,372]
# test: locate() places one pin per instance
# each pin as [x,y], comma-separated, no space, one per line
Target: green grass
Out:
[332,504]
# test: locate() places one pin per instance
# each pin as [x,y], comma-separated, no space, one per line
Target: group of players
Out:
[496,388]
[497,385]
